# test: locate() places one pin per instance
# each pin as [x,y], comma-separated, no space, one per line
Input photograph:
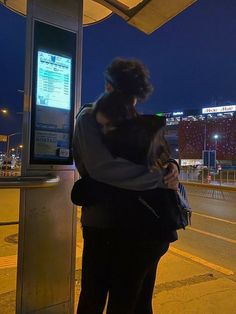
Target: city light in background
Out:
[4,111]
[9,126]
[216,136]
[183,73]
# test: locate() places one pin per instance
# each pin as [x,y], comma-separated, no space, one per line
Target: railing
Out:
[29,182]
[221,177]
[9,173]
[214,191]
[12,182]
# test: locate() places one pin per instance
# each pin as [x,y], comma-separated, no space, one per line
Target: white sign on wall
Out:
[219,109]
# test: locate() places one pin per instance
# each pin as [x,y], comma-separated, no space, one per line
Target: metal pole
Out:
[8,142]
[8,146]
[205,133]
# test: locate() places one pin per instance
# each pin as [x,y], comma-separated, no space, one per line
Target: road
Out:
[197,275]
[213,231]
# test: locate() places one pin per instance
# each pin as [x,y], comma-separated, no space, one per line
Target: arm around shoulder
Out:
[89,149]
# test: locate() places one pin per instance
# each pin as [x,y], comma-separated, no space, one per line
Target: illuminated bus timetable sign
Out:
[53,80]
[219,109]
[53,107]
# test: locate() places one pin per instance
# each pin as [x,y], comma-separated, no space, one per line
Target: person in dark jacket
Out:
[130,135]
[121,245]
[140,139]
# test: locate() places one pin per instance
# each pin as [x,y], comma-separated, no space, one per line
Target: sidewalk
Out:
[186,287]
[182,287]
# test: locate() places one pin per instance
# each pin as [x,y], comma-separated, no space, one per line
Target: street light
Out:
[205,134]
[19,150]
[8,141]
[4,111]
[215,136]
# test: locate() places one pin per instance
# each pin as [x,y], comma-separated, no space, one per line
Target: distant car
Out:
[6,165]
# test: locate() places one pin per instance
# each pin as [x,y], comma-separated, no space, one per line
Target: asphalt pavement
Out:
[197,275]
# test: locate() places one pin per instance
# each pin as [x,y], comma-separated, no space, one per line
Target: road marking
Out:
[8,261]
[215,218]
[202,261]
[212,235]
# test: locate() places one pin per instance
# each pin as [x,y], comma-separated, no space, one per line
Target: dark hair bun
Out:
[130,77]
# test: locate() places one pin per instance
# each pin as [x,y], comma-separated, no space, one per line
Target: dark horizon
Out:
[191,59]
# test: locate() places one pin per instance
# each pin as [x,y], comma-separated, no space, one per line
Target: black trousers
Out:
[118,266]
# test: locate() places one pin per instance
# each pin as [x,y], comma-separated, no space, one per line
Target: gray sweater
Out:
[94,159]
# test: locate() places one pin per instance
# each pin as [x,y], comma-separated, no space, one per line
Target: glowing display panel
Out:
[53,80]
[53,104]
[53,95]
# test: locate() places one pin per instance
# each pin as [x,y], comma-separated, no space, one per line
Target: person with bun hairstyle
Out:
[122,247]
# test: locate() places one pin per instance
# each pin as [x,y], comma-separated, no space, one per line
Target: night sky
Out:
[192,58]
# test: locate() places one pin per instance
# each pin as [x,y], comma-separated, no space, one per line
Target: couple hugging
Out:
[139,139]
[128,192]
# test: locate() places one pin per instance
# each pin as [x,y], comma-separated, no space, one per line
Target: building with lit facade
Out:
[190,132]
